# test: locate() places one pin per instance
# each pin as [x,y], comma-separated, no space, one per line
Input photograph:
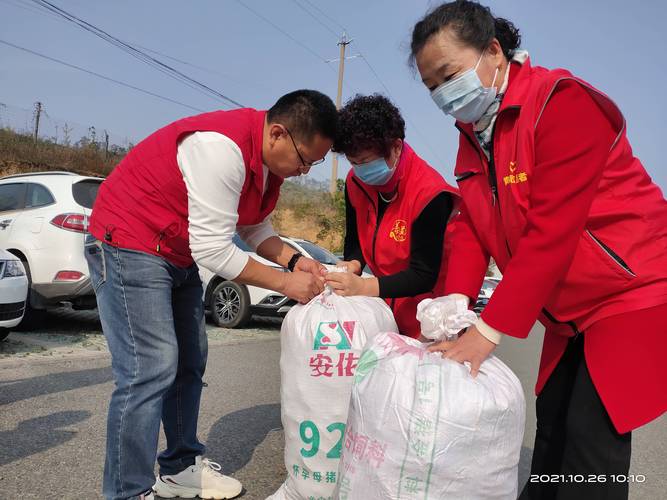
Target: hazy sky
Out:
[616,45]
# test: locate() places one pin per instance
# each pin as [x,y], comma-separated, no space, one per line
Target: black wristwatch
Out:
[292,261]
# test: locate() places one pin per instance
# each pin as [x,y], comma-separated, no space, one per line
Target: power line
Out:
[327,27]
[205,69]
[314,6]
[113,80]
[304,46]
[38,10]
[267,20]
[135,52]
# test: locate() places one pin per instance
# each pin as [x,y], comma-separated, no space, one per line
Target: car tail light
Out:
[68,276]
[71,222]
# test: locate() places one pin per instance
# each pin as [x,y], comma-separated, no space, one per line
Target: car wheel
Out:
[32,318]
[4,332]
[230,305]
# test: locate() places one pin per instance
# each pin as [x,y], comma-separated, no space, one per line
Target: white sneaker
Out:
[147,496]
[202,479]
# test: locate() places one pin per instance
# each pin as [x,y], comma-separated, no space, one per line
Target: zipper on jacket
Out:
[493,182]
[612,255]
[160,236]
[378,219]
[571,324]
[465,175]
[491,175]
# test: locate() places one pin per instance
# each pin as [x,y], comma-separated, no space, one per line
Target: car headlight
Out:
[12,269]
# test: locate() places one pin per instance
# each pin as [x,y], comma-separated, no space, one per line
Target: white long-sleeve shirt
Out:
[214,173]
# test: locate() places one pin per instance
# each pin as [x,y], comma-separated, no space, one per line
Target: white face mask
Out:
[464,97]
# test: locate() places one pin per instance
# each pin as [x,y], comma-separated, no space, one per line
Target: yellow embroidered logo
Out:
[515,178]
[399,231]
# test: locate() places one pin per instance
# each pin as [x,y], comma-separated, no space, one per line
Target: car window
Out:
[85,192]
[318,253]
[489,284]
[38,196]
[12,196]
[241,244]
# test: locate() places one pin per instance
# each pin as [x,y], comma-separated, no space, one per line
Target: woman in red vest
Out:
[552,191]
[397,208]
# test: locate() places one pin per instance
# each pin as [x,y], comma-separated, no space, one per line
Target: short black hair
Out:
[473,24]
[368,122]
[305,113]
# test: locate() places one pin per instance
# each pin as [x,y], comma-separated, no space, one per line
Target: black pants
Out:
[575,439]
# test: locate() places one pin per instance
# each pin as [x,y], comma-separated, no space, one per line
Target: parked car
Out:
[231,305]
[13,292]
[43,221]
[485,293]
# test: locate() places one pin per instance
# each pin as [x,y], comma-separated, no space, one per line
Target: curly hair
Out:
[368,123]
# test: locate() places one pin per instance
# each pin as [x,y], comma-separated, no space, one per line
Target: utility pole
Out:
[106,144]
[343,43]
[38,112]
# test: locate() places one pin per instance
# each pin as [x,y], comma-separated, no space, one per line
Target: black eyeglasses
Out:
[303,163]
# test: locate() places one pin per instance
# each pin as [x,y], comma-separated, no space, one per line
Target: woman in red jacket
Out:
[552,191]
[397,209]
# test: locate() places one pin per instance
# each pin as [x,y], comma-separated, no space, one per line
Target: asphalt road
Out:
[55,384]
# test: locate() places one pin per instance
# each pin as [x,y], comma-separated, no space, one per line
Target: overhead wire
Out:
[317,19]
[104,77]
[136,52]
[268,21]
[38,10]
[324,14]
[301,44]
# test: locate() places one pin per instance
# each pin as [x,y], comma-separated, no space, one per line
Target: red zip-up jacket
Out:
[574,222]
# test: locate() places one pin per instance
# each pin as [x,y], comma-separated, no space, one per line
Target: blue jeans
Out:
[152,316]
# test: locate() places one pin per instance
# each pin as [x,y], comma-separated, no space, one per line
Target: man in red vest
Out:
[174,203]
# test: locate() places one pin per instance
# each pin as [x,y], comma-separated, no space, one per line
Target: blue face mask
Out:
[374,173]
[465,98]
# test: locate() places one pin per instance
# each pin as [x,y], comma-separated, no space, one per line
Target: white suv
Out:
[43,221]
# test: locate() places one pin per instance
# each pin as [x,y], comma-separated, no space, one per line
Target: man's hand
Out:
[353,266]
[472,346]
[349,284]
[310,266]
[301,286]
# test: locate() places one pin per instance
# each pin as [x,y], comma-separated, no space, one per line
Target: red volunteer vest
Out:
[386,246]
[628,216]
[143,204]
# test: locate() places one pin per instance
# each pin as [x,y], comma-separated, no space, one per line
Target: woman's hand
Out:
[353,266]
[349,284]
[472,346]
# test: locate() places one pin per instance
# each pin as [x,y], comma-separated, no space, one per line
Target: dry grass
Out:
[20,153]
